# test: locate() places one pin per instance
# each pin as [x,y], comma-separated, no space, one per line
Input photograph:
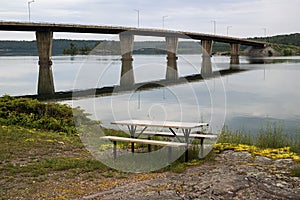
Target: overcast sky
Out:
[245,18]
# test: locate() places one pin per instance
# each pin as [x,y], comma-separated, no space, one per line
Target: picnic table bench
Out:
[141,141]
[194,135]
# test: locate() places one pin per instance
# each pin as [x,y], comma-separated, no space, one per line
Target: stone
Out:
[233,175]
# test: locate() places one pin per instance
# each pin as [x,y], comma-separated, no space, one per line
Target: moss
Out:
[296,171]
[273,153]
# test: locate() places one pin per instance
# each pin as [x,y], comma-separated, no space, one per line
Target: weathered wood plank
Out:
[169,134]
[163,124]
[143,141]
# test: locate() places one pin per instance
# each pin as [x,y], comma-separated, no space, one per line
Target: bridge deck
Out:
[76,28]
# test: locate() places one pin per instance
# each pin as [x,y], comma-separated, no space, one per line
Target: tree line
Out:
[105,47]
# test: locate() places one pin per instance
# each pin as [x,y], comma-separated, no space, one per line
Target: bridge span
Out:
[77,28]
[44,36]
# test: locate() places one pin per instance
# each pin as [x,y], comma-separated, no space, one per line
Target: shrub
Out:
[287,52]
[31,113]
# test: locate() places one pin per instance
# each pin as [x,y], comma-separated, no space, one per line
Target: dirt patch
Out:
[232,175]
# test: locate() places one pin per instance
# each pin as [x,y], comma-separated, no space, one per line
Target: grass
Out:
[62,163]
[237,137]
[34,151]
[33,160]
[31,144]
[29,156]
[21,142]
[270,136]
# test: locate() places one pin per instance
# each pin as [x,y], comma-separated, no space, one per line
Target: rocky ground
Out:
[233,175]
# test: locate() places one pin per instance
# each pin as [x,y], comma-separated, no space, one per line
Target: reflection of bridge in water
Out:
[143,86]
[44,36]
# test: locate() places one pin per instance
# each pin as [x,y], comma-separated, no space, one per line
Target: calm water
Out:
[244,100]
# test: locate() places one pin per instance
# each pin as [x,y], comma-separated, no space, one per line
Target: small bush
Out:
[31,113]
[287,52]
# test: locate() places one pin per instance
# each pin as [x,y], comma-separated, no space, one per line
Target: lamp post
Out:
[228,27]
[29,2]
[215,28]
[138,16]
[265,33]
[163,20]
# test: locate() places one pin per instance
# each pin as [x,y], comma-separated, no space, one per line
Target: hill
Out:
[291,39]
[285,44]
[29,48]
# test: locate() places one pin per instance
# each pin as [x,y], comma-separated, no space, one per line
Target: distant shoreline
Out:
[284,44]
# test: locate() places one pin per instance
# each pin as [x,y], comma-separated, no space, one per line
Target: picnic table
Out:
[186,128]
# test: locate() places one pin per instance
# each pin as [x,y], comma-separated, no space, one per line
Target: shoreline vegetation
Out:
[39,141]
[285,45]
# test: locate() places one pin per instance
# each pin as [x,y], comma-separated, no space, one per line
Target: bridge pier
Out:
[234,53]
[206,47]
[172,71]
[127,75]
[45,79]
[206,67]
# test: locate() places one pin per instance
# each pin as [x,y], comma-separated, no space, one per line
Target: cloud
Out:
[247,18]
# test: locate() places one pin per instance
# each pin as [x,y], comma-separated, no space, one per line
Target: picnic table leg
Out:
[172,131]
[186,133]
[169,154]
[132,130]
[186,156]
[202,148]
[115,149]
[149,145]
[132,147]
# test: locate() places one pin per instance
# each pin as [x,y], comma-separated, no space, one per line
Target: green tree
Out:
[72,50]
[85,50]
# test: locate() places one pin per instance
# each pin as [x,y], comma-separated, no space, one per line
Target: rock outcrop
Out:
[260,52]
[233,175]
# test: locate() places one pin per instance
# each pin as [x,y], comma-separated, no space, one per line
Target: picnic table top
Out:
[164,124]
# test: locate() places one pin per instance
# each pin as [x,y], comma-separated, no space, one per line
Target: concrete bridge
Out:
[44,36]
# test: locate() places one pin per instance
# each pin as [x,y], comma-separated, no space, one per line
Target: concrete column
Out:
[127,75]
[206,68]
[171,44]
[234,53]
[206,47]
[45,80]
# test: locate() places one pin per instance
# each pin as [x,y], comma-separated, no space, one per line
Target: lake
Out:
[247,99]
